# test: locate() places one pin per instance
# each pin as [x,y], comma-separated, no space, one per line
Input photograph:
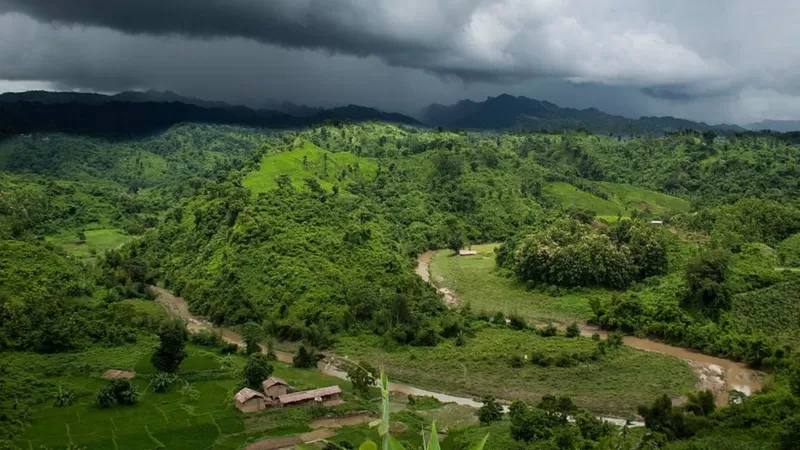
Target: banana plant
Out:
[388,442]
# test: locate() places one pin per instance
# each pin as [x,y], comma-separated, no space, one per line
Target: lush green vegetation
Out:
[311,235]
[614,384]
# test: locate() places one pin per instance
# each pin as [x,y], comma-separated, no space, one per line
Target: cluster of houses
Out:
[278,393]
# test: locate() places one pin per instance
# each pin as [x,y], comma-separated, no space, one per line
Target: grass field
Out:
[616,384]
[169,420]
[476,281]
[97,241]
[290,163]
[568,195]
[622,199]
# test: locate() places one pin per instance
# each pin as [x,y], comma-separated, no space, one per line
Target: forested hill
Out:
[506,111]
[137,113]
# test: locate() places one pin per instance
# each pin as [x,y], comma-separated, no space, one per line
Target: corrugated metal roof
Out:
[309,395]
[246,394]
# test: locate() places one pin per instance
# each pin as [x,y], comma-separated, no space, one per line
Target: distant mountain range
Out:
[144,111]
[783,126]
[509,112]
[130,113]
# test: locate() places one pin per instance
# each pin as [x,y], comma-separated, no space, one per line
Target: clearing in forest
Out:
[477,282]
[616,199]
[307,161]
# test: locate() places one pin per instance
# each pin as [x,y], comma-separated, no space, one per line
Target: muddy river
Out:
[717,374]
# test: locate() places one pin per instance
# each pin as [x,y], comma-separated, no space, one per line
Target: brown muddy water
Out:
[717,374]
[179,307]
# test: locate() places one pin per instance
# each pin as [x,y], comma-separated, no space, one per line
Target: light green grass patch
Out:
[622,199]
[570,196]
[635,198]
[616,384]
[341,168]
[97,241]
[477,282]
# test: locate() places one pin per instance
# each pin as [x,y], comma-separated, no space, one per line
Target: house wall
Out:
[252,405]
[277,390]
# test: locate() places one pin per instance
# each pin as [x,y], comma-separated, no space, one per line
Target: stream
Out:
[717,374]
[179,307]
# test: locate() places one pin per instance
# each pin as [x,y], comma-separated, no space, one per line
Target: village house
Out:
[328,396]
[248,400]
[467,252]
[275,387]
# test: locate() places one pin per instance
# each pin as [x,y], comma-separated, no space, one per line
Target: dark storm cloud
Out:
[680,57]
[503,40]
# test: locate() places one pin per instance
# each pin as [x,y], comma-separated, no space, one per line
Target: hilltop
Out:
[509,112]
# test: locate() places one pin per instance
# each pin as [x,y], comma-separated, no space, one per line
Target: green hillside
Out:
[305,160]
[613,199]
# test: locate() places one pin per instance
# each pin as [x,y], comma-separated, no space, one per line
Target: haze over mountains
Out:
[137,111]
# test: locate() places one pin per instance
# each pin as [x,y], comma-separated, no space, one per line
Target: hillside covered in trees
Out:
[311,235]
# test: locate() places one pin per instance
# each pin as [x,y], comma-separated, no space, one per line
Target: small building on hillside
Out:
[467,252]
[328,396]
[248,400]
[657,222]
[275,387]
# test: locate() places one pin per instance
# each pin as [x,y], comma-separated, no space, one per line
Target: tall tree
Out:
[172,349]
[256,370]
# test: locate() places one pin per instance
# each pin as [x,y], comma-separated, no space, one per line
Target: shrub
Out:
[515,361]
[119,391]
[207,338]
[64,397]
[229,349]
[540,359]
[304,359]
[516,322]
[549,331]
[490,412]
[573,330]
[162,381]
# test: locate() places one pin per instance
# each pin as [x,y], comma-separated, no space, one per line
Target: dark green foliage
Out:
[515,361]
[705,277]
[793,376]
[548,330]
[592,428]
[490,412]
[304,358]
[362,376]
[64,397]
[701,403]
[118,391]
[573,330]
[558,409]
[528,424]
[662,418]
[569,253]
[517,322]
[172,348]
[257,369]
[163,381]
[252,335]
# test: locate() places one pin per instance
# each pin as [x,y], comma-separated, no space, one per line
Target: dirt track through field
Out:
[178,307]
[716,374]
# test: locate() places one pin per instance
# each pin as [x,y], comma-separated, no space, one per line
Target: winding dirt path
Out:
[716,374]
[179,307]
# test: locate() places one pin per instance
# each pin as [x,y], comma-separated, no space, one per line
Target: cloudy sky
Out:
[712,60]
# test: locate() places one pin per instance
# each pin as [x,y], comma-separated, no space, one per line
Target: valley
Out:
[622,279]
